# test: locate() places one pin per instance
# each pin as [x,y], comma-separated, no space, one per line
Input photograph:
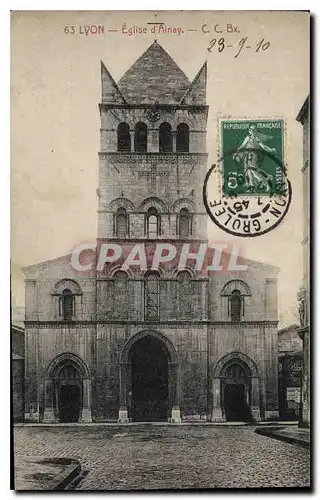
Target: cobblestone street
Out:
[158,456]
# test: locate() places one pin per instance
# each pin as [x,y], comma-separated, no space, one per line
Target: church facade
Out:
[166,344]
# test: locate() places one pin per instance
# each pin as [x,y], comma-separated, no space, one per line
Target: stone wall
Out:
[17,388]
[195,327]
[256,342]
[190,344]
[289,340]
[304,295]
[44,343]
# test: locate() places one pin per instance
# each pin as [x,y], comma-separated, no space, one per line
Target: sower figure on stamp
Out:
[255,177]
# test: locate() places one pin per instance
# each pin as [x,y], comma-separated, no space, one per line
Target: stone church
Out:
[155,345]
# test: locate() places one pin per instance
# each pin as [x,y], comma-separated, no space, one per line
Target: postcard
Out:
[160,250]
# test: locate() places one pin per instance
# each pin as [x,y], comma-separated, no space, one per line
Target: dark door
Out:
[69,403]
[235,404]
[149,366]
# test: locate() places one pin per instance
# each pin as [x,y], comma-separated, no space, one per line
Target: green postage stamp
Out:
[252,157]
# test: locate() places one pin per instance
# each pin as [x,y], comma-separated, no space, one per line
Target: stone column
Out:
[217,415]
[132,140]
[174,141]
[123,409]
[49,414]
[175,393]
[153,140]
[86,407]
[255,399]
[271,300]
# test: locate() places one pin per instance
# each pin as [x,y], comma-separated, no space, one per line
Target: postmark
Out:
[252,157]
[246,216]
[248,192]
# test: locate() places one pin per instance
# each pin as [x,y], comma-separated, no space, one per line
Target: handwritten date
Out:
[220,44]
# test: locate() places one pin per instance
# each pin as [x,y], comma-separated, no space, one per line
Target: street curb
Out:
[61,481]
[272,433]
[67,476]
[153,424]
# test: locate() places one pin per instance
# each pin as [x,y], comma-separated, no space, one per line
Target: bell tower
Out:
[152,166]
[153,151]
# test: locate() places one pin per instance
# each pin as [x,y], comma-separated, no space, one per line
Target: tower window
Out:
[183,138]
[140,138]
[184,223]
[120,295]
[151,296]
[184,295]
[67,306]
[121,223]
[152,223]
[236,305]
[165,138]
[124,141]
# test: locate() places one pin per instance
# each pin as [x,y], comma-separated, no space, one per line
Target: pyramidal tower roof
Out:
[154,78]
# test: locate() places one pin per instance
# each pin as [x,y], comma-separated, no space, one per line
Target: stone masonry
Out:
[152,164]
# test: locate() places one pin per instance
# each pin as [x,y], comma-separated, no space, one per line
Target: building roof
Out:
[304,112]
[154,78]
[286,329]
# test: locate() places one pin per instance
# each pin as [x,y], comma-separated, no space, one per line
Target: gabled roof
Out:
[110,90]
[255,264]
[154,78]
[196,93]
[47,263]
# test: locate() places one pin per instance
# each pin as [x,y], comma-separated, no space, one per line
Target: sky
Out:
[55,122]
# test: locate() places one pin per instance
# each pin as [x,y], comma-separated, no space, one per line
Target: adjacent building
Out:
[166,344]
[290,372]
[304,294]
[17,361]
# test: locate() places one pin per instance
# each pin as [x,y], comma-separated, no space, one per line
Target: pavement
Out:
[153,457]
[293,434]
[40,473]
[189,423]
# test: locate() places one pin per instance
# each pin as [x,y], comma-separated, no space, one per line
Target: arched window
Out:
[234,372]
[152,223]
[236,305]
[182,138]
[67,305]
[120,275]
[183,276]
[236,292]
[151,296]
[121,223]
[68,371]
[140,138]
[124,141]
[184,223]
[120,295]
[184,295]
[165,138]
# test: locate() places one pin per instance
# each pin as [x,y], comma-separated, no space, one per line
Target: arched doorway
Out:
[236,389]
[236,392]
[67,390]
[69,393]
[149,379]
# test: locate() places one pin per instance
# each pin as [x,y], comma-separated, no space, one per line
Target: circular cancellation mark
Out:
[252,212]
